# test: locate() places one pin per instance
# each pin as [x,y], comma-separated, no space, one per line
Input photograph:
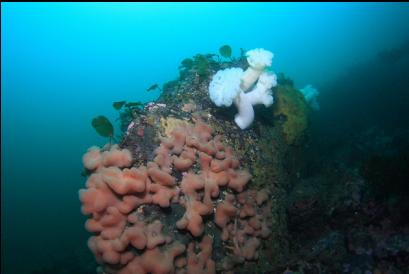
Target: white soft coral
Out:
[261,94]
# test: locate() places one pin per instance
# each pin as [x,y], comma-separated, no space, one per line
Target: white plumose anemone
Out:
[225,86]
[230,85]
[258,60]
[310,94]
[261,94]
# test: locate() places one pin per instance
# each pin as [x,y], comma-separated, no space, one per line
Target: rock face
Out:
[196,180]
[198,210]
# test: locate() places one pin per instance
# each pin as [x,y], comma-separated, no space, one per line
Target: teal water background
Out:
[64,63]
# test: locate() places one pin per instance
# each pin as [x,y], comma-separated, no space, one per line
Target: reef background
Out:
[63,64]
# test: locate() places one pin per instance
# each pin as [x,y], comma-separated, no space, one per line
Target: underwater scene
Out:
[196,138]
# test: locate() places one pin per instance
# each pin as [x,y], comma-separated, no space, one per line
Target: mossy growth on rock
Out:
[291,112]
